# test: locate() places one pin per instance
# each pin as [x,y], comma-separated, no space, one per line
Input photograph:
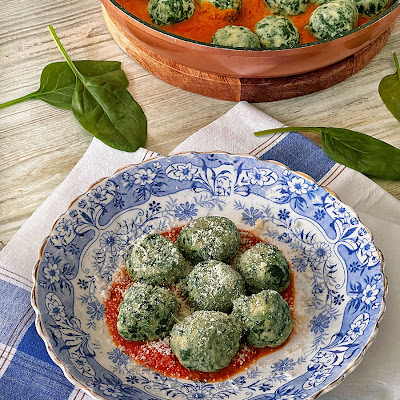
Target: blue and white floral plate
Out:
[338,274]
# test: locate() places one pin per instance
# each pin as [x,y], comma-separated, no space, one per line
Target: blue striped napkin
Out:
[26,370]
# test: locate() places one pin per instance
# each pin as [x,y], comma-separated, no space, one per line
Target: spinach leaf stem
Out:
[63,52]
[289,129]
[397,65]
[19,100]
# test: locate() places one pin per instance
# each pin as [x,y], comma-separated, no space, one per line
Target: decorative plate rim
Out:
[328,388]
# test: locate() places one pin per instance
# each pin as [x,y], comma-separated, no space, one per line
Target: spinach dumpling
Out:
[212,285]
[146,312]
[168,12]
[263,266]
[371,8]
[231,8]
[277,32]
[333,19]
[205,340]
[265,318]
[236,37]
[155,260]
[209,238]
[287,7]
[224,4]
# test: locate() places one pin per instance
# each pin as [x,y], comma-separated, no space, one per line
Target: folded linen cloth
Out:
[27,372]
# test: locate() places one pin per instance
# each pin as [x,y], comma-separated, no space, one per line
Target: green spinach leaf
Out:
[355,150]
[389,90]
[57,82]
[106,109]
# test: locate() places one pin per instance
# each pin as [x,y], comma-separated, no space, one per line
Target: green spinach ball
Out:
[334,19]
[236,36]
[277,32]
[212,285]
[287,7]
[265,318]
[263,266]
[146,313]
[155,260]
[205,340]
[209,238]
[224,4]
[371,8]
[168,12]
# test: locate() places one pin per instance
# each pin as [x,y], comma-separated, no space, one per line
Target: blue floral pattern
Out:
[340,285]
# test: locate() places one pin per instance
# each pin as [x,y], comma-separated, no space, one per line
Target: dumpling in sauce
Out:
[168,12]
[146,313]
[155,260]
[265,318]
[334,19]
[212,285]
[228,10]
[277,32]
[371,8]
[206,340]
[212,237]
[287,7]
[236,36]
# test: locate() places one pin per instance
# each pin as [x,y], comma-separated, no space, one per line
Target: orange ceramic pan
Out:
[251,63]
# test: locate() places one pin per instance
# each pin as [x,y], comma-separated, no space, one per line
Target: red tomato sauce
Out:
[207,19]
[157,354]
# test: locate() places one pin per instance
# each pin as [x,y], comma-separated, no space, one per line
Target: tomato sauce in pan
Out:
[207,19]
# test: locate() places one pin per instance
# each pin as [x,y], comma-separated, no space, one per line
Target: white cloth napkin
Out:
[378,377]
